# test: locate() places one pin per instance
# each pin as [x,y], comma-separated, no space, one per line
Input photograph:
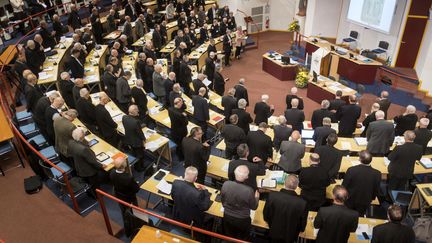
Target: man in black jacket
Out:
[141,64]
[402,161]
[313,182]
[134,136]
[190,201]
[384,102]
[33,60]
[198,84]
[139,98]
[262,110]
[244,118]
[227,47]
[393,231]
[179,122]
[370,118]
[294,116]
[148,76]
[74,20]
[338,102]
[104,121]
[219,81]
[347,116]
[201,112]
[233,136]
[406,121]
[260,144]
[48,39]
[66,86]
[185,75]
[423,134]
[291,96]
[86,110]
[74,64]
[282,132]
[196,152]
[50,113]
[32,92]
[157,38]
[169,85]
[363,184]
[241,91]
[39,111]
[336,222]
[330,157]
[109,80]
[123,91]
[321,133]
[319,114]
[229,102]
[286,212]
[210,67]
[256,166]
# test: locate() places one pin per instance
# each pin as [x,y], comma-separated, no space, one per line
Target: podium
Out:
[320,63]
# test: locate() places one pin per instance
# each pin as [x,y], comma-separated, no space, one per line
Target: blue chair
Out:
[401,198]
[50,154]
[352,37]
[131,159]
[39,140]
[382,47]
[29,130]
[23,116]
[56,173]
[5,147]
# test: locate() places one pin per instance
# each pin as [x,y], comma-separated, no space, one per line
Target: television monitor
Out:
[315,76]
[285,60]
[307,133]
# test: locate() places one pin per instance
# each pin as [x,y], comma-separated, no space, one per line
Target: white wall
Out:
[368,38]
[322,18]
[424,60]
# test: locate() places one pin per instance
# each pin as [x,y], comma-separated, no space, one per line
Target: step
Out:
[97,220]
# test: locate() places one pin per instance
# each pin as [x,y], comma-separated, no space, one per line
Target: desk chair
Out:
[382,47]
[401,198]
[29,130]
[352,37]
[4,149]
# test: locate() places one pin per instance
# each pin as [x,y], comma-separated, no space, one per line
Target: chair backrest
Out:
[383,45]
[361,89]
[354,34]
[46,169]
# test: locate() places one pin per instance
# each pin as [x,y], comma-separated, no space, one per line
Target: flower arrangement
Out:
[302,77]
[294,26]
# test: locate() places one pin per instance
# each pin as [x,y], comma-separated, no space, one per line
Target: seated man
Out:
[393,231]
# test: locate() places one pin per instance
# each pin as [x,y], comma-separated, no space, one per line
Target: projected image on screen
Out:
[374,14]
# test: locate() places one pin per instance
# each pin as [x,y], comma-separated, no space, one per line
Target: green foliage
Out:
[302,78]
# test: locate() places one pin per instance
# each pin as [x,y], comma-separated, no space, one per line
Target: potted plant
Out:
[302,77]
[294,26]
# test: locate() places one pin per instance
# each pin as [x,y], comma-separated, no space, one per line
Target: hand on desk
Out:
[256,159]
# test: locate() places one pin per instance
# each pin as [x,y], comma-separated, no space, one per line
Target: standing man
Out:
[233,137]
[19,14]
[282,132]
[244,118]
[86,110]
[286,212]
[74,20]
[134,136]
[123,91]
[201,112]
[179,122]
[260,144]
[106,125]
[109,80]
[380,135]
[423,134]
[393,231]
[406,121]
[219,81]
[210,67]
[74,65]
[321,133]
[347,116]
[238,199]
[229,102]
[241,91]
[262,110]
[338,102]
[158,83]
[52,112]
[139,98]
[227,47]
[336,222]
[196,152]
[384,102]
[63,128]
[295,116]
[291,96]
[66,86]
[319,114]
[292,152]
[363,184]
[32,92]
[330,157]
[369,118]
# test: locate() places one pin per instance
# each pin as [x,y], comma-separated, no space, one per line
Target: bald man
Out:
[295,116]
[134,137]
[336,222]
[66,89]
[87,110]
[106,125]
[292,152]
[63,128]
[50,113]
[179,122]
[201,112]
[380,135]
[319,114]
[32,92]
[293,95]
[406,121]
[347,116]
[168,86]
[384,102]
[403,159]
[139,98]
[423,134]
[370,118]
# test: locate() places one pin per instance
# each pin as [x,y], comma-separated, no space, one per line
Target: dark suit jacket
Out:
[219,83]
[244,119]
[384,106]
[172,96]
[59,28]
[140,69]
[33,60]
[76,68]
[336,104]
[39,111]
[74,20]
[76,93]
[130,13]
[404,123]
[392,232]
[227,43]
[320,135]
[241,93]
[330,159]
[262,112]
[288,99]
[255,169]
[380,136]
[109,80]
[211,48]
[190,203]
[318,115]
[86,111]
[48,39]
[209,69]
[197,84]
[260,145]
[201,108]
[157,40]
[403,159]
[123,91]
[370,118]
[125,186]
[32,95]
[106,125]
[347,116]
[140,99]
[185,76]
[84,158]
[233,136]
[363,185]
[295,118]
[196,155]
[423,136]
[228,103]
[286,214]
[178,124]
[49,114]
[313,181]
[281,133]
[66,87]
[134,135]
[335,223]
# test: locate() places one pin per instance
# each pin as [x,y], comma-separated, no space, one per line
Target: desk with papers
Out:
[272,64]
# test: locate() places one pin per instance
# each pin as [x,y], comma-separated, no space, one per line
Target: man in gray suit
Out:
[158,83]
[380,135]
[123,91]
[63,128]
[292,153]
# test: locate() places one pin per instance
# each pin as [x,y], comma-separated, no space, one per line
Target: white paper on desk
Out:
[164,186]
[91,78]
[47,49]
[310,142]
[148,133]
[44,75]
[346,145]
[275,174]
[386,161]
[361,141]
[346,90]
[268,183]
[118,118]
[363,228]
[218,100]
[355,162]
[426,162]
[206,82]
[399,140]
[154,110]
[315,232]
[253,127]
[107,161]
[333,88]
[50,68]
[47,94]
[225,167]
[166,120]
[252,214]
[152,146]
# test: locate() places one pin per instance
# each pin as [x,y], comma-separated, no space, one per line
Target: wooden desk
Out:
[95,60]
[200,53]
[148,234]
[113,35]
[335,126]
[168,50]
[216,121]
[277,69]
[142,40]
[6,130]
[214,98]
[362,72]
[420,200]
[8,55]
[326,89]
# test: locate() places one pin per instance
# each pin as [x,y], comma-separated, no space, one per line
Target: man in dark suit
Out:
[380,135]
[79,84]
[313,182]
[244,118]
[286,212]
[260,144]
[394,230]
[33,58]
[363,184]
[229,102]
[134,137]
[38,113]
[106,125]
[58,28]
[66,85]
[32,92]
[196,152]
[219,81]
[282,132]
[210,67]
[157,38]
[74,20]
[402,161]
[292,96]
[406,121]
[227,47]
[190,201]
[48,39]
[85,161]
[347,116]
[201,112]
[63,128]
[52,112]
[241,91]
[233,137]
[262,110]
[319,114]
[96,25]
[185,75]
[369,118]
[109,80]
[321,133]
[168,85]
[131,10]
[338,102]
[139,98]
[175,93]
[256,166]
[75,66]
[141,64]
[86,110]
[123,91]
[212,13]
[336,222]
[198,84]
[292,152]
[330,157]
[179,122]
[384,102]
[423,134]
[127,32]
[294,116]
